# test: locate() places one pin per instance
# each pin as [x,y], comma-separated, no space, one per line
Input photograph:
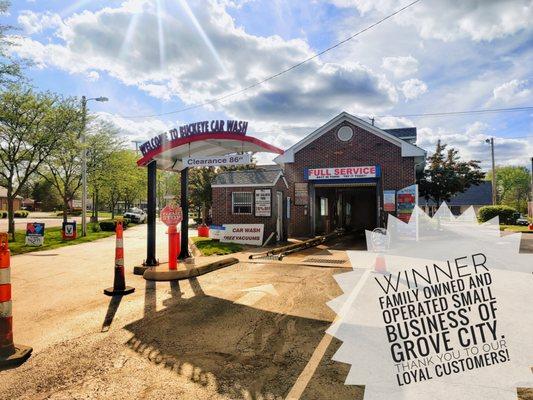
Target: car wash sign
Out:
[346,173]
[194,129]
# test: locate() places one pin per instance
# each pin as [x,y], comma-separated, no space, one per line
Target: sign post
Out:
[171,216]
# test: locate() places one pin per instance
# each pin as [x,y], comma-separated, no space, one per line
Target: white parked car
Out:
[136,215]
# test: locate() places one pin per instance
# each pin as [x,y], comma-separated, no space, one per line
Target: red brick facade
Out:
[364,148]
[222,212]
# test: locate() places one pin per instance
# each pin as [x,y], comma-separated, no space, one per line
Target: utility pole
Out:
[83,168]
[137,143]
[491,142]
[530,205]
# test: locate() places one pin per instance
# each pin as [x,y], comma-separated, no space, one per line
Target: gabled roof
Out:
[408,149]
[476,195]
[249,177]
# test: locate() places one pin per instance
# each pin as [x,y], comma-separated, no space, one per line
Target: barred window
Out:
[241,202]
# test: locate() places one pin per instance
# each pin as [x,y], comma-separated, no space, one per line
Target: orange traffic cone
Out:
[119,283]
[379,264]
[10,353]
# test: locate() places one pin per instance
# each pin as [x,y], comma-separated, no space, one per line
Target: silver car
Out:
[136,215]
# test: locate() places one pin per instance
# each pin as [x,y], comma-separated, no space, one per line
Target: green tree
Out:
[200,193]
[45,195]
[31,125]
[446,175]
[513,185]
[168,184]
[122,179]
[62,167]
[102,141]
[136,183]
[10,68]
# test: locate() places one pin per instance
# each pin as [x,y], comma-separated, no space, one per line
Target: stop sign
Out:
[171,215]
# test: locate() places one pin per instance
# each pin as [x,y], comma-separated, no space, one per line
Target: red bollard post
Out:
[10,353]
[119,283]
[172,248]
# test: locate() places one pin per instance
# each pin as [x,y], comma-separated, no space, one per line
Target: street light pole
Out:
[83,168]
[491,142]
[84,101]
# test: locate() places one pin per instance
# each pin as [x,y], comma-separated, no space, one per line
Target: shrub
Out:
[21,214]
[108,225]
[95,227]
[3,214]
[505,213]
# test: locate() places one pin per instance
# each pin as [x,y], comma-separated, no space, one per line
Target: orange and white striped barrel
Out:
[119,282]
[6,319]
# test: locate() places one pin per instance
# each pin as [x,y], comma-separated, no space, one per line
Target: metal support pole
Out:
[530,205]
[494,200]
[83,168]
[184,251]
[151,196]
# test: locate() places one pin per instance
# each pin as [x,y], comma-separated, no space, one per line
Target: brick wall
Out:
[17,203]
[222,211]
[364,148]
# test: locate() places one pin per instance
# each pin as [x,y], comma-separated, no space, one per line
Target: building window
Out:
[323,206]
[241,202]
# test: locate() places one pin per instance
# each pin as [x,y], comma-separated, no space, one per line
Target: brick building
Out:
[17,202]
[335,177]
[236,199]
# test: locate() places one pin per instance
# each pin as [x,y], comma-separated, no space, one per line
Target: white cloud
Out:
[470,141]
[401,67]
[454,19]
[413,88]
[93,76]
[209,59]
[389,122]
[137,130]
[513,90]
[32,22]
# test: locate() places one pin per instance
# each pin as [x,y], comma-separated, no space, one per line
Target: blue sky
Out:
[154,56]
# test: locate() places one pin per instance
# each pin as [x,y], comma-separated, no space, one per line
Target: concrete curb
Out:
[152,274]
[194,250]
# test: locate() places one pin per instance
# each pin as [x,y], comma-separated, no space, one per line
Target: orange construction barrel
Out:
[203,230]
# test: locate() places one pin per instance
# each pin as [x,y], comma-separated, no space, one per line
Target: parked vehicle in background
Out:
[136,215]
[522,220]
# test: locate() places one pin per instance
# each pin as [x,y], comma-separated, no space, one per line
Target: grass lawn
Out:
[52,240]
[514,228]
[211,247]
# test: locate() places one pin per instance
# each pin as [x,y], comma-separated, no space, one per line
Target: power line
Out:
[246,88]
[466,112]
[484,111]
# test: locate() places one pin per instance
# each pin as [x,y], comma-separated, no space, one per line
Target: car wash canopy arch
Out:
[199,144]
